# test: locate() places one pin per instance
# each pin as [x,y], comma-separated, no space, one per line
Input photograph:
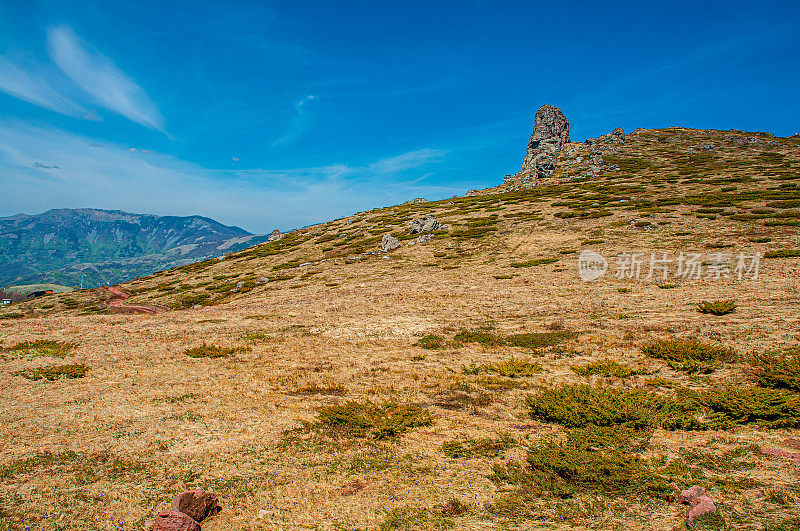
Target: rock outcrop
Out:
[550,133]
[389,243]
[427,223]
[275,235]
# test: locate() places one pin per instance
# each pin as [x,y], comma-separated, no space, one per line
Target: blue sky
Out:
[282,114]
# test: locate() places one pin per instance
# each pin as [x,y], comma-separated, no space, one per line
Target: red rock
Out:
[197,503]
[699,503]
[174,521]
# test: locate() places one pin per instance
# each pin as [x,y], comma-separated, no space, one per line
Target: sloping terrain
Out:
[66,246]
[470,381]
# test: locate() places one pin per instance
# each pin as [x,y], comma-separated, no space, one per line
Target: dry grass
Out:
[297,425]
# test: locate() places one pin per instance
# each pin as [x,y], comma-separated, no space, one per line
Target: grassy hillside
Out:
[468,382]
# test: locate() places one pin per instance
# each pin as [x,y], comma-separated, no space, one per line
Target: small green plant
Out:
[510,368]
[763,239]
[211,351]
[690,356]
[371,420]
[779,370]
[12,315]
[75,370]
[40,347]
[717,307]
[479,336]
[782,253]
[472,448]
[607,368]
[431,342]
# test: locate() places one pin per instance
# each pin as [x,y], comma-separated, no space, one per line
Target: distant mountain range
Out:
[107,246]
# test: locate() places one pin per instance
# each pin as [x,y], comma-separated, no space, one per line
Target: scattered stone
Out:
[424,238]
[351,258]
[275,236]
[416,201]
[240,284]
[262,280]
[699,503]
[198,504]
[389,243]
[174,521]
[618,135]
[427,223]
[263,513]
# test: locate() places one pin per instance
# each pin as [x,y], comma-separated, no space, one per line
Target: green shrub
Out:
[770,408]
[12,315]
[41,347]
[779,370]
[690,356]
[76,370]
[472,448]
[534,262]
[371,420]
[479,336]
[596,461]
[431,342]
[577,406]
[717,307]
[607,368]
[539,339]
[782,253]
[510,368]
[210,351]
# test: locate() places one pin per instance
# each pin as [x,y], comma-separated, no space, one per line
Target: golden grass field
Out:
[146,421]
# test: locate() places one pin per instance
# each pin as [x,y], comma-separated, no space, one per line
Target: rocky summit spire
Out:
[550,133]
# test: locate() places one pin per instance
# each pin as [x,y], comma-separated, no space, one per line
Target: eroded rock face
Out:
[699,503]
[198,504]
[550,133]
[174,521]
[275,235]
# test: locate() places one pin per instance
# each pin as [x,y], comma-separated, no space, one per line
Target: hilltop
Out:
[469,378]
[67,246]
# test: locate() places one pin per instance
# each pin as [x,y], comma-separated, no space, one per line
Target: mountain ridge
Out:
[99,246]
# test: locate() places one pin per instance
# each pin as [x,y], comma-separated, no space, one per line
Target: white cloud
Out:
[106,175]
[98,76]
[35,88]
[407,161]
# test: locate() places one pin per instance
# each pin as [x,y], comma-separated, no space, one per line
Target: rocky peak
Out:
[550,133]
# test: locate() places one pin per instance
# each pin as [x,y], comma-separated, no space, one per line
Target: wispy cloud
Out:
[300,121]
[97,75]
[406,161]
[82,172]
[35,88]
